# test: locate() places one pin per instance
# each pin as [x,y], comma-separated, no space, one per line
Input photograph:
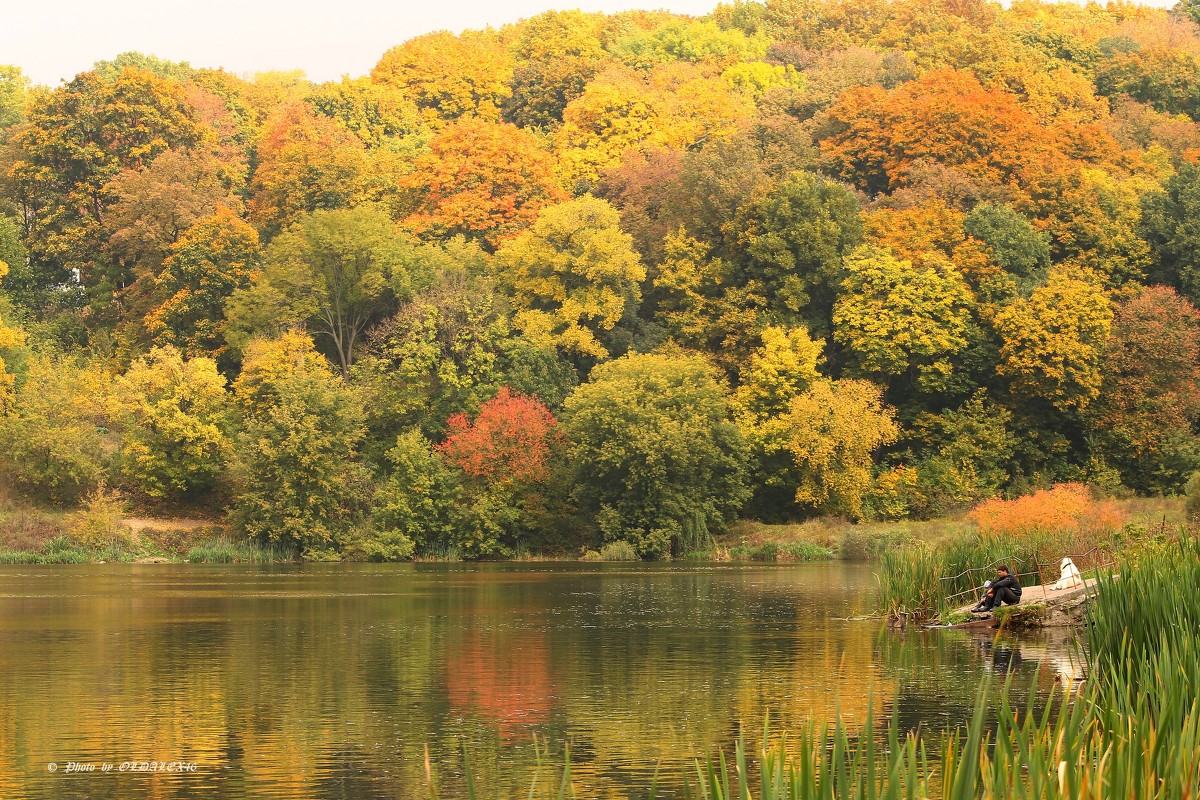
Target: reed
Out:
[803,551]
[59,550]
[440,551]
[928,580]
[220,550]
[1132,732]
[780,551]
[35,557]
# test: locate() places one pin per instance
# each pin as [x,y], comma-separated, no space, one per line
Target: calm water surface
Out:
[329,681]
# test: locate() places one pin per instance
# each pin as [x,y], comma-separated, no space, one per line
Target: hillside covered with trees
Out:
[588,278]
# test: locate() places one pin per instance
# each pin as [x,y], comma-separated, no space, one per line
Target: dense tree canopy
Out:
[836,429]
[880,140]
[297,479]
[481,180]
[658,461]
[1053,342]
[897,318]
[335,270]
[216,257]
[75,141]
[592,278]
[174,414]
[14,94]
[450,76]
[1144,418]
[1171,225]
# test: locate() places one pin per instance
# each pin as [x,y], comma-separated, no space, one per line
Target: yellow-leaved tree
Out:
[898,318]
[9,337]
[450,76]
[780,370]
[174,415]
[574,276]
[1053,342]
[616,112]
[675,105]
[836,428]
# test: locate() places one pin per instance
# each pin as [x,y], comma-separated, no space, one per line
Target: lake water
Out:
[330,681]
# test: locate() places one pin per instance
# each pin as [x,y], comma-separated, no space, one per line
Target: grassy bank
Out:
[870,540]
[1131,730]
[213,548]
[915,555]
[102,533]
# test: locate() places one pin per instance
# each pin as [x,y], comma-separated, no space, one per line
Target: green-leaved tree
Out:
[658,462]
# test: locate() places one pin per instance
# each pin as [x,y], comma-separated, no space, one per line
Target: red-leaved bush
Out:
[511,438]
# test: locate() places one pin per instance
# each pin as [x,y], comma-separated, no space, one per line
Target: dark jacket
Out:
[1010,581]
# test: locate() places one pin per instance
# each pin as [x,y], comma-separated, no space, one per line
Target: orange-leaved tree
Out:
[481,180]
[1144,420]
[307,162]
[880,139]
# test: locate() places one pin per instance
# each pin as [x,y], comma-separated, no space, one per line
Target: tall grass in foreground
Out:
[1132,731]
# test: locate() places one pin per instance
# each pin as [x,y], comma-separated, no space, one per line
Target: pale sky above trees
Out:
[54,41]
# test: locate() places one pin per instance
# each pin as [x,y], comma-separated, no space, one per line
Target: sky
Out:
[53,40]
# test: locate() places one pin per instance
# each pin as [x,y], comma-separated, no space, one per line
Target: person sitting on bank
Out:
[1006,589]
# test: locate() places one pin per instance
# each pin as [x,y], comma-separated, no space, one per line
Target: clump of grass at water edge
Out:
[221,550]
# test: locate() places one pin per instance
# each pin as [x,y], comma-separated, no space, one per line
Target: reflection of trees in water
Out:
[504,678]
[671,667]
[304,682]
[310,680]
[271,681]
[81,686]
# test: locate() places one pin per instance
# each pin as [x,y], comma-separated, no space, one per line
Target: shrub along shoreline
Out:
[930,579]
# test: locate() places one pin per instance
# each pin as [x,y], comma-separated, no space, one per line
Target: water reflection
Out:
[330,681]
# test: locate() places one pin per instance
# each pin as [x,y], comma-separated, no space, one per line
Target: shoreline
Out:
[33,535]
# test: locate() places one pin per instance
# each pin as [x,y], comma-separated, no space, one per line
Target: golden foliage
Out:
[1052,341]
[836,428]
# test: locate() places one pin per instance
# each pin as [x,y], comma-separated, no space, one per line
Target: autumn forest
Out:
[589,279]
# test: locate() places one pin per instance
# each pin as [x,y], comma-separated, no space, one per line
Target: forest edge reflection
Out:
[285,678]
